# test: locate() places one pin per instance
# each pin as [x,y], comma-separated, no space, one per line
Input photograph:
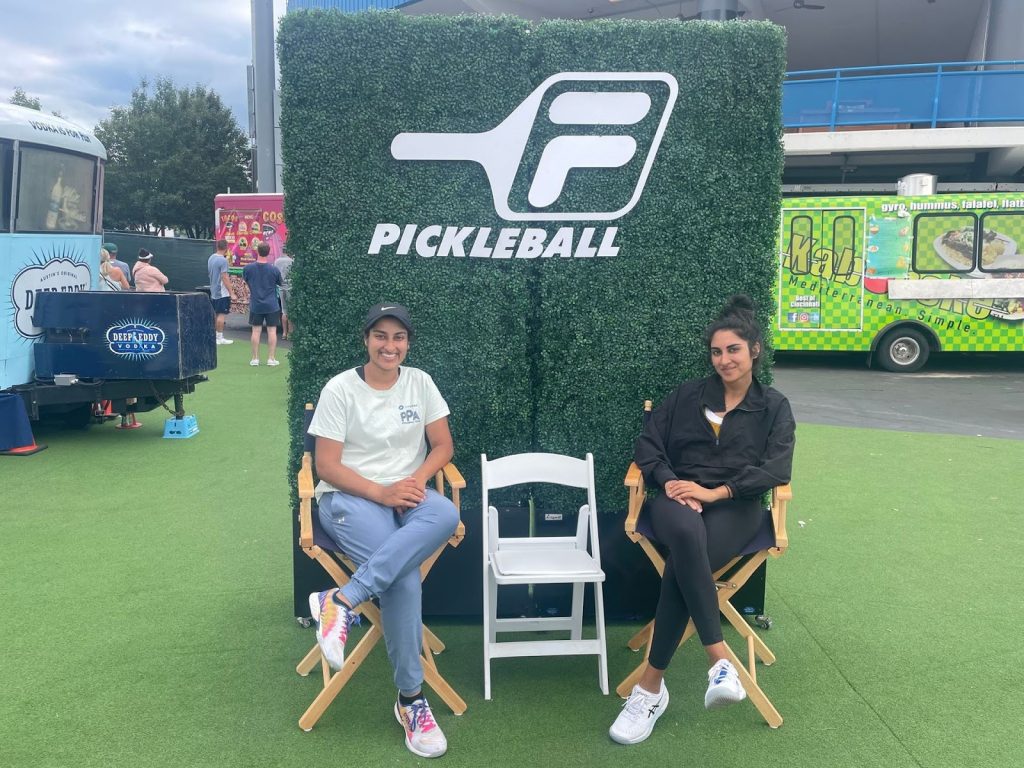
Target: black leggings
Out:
[698,544]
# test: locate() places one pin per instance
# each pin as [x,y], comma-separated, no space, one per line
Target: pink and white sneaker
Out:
[423,735]
[332,622]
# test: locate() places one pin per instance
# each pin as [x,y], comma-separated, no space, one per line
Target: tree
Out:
[168,153]
[22,99]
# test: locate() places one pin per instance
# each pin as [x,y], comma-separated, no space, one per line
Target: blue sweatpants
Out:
[389,548]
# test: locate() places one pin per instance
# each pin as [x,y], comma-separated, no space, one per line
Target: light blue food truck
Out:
[67,347]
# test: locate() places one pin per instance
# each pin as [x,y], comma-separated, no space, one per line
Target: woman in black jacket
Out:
[712,448]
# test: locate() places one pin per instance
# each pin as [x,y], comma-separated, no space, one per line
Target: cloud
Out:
[83,57]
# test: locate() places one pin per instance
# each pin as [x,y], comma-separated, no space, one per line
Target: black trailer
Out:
[111,346]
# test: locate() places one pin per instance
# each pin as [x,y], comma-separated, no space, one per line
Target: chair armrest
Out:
[781,496]
[453,476]
[460,533]
[635,482]
[305,482]
[456,482]
[634,477]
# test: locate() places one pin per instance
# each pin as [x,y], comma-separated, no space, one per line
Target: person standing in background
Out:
[111,277]
[284,266]
[263,280]
[220,288]
[148,279]
[111,248]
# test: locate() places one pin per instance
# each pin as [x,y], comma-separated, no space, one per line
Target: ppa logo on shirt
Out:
[409,414]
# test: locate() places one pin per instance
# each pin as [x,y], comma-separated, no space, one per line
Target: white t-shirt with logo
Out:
[384,431]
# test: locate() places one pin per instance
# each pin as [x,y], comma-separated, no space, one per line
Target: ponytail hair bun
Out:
[739,305]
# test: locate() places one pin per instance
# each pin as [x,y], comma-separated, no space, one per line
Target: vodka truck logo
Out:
[68,272]
[135,339]
[500,150]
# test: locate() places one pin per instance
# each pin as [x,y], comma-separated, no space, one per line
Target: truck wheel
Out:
[903,350]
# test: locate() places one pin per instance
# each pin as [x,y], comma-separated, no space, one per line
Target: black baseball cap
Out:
[378,311]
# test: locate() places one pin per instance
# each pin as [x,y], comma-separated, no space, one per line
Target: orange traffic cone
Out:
[15,429]
[24,450]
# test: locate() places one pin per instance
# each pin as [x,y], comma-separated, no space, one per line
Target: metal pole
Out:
[935,98]
[263,87]
[835,104]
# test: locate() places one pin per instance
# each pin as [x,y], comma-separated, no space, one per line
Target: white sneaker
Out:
[222,340]
[272,362]
[254,362]
[724,687]
[423,736]
[332,622]
[638,716]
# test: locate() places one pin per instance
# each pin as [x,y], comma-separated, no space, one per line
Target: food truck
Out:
[247,219]
[67,347]
[899,277]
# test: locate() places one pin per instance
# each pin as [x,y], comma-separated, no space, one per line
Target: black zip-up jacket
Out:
[752,453]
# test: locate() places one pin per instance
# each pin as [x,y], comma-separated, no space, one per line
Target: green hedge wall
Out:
[615,332]
[349,84]
[532,354]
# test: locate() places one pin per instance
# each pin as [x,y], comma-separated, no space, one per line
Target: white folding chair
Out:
[572,560]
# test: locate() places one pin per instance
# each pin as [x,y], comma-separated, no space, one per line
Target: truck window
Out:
[844,245]
[1002,242]
[801,244]
[55,192]
[945,243]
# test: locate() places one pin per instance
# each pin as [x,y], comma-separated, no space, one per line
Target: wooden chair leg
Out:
[440,686]
[641,638]
[432,641]
[337,681]
[309,661]
[757,696]
[427,657]
[747,632]
[626,686]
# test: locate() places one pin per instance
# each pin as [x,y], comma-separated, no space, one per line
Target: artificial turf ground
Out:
[145,587]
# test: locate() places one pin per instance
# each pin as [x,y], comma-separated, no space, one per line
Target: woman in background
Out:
[148,278]
[111,277]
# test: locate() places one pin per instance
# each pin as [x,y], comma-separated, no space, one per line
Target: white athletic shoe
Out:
[222,340]
[724,687]
[254,362]
[333,620]
[638,716]
[423,735]
[272,362]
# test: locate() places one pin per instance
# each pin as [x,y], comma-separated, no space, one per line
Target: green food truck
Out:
[901,277]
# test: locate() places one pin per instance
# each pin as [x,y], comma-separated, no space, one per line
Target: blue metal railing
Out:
[345,6]
[926,95]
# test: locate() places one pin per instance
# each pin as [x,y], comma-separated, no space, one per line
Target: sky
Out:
[83,57]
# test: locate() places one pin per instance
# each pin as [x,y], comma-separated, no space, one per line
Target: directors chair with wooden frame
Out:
[770,540]
[314,541]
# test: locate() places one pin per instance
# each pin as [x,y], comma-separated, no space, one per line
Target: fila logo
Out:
[500,150]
